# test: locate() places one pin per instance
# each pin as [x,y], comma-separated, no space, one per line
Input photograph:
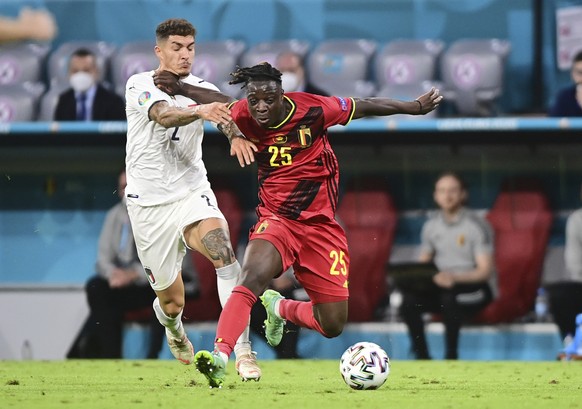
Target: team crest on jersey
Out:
[264,225]
[150,275]
[461,240]
[304,135]
[280,139]
[144,97]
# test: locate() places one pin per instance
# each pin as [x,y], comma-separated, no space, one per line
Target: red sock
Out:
[299,313]
[234,318]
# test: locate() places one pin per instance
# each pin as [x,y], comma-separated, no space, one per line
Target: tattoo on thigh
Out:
[218,246]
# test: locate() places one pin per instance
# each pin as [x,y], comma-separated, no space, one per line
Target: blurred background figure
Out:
[35,25]
[568,101]
[565,293]
[294,77]
[120,285]
[87,99]
[461,246]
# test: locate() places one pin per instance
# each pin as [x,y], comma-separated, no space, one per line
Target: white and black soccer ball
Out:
[364,365]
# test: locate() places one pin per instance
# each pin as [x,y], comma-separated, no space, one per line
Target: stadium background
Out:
[56,188]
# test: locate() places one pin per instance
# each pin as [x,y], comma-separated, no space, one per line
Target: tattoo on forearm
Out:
[218,246]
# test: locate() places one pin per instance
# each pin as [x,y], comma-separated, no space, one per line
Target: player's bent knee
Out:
[332,329]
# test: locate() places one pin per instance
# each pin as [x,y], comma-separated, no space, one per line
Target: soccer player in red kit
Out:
[298,194]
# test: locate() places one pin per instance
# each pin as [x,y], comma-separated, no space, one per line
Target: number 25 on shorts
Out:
[338,265]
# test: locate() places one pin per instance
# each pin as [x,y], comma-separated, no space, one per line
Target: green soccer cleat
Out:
[273,325]
[212,366]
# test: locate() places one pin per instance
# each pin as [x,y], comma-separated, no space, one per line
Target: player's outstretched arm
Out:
[171,84]
[170,117]
[385,106]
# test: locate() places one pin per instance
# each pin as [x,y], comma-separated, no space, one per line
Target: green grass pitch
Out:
[288,384]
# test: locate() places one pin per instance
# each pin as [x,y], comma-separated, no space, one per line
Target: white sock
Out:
[174,325]
[226,279]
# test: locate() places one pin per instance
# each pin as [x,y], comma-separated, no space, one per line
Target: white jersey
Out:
[163,164]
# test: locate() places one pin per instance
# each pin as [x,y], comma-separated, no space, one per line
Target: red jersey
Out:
[297,168]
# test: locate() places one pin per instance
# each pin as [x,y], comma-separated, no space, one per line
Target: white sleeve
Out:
[141,93]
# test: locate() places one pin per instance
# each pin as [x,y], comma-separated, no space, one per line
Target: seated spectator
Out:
[87,100]
[34,25]
[568,101]
[294,78]
[120,285]
[461,246]
[565,293]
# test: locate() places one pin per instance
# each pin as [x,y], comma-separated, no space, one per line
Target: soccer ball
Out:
[364,365]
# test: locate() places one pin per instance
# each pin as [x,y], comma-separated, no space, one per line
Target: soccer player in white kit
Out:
[169,199]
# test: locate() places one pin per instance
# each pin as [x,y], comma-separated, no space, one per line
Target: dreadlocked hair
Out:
[260,72]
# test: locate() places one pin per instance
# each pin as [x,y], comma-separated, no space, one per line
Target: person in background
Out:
[33,25]
[87,99]
[120,285]
[294,78]
[565,293]
[568,101]
[461,246]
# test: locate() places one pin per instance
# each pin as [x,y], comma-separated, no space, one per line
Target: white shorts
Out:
[159,233]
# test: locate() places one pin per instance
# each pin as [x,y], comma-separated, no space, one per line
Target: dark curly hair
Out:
[260,72]
[174,27]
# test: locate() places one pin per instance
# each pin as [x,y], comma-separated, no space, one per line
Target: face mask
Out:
[81,81]
[289,81]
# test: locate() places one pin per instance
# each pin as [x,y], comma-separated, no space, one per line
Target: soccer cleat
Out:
[212,366]
[181,348]
[273,325]
[247,367]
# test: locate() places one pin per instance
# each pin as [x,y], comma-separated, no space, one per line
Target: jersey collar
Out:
[291,112]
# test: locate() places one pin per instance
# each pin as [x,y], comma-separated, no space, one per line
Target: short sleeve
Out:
[141,93]
[426,245]
[337,110]
[483,237]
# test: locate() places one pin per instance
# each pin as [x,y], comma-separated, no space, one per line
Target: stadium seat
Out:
[58,63]
[334,64]
[19,102]
[129,59]
[214,62]
[48,102]
[407,62]
[472,73]
[369,217]
[22,62]
[521,219]
[268,51]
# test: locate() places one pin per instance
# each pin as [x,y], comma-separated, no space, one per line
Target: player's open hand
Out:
[243,149]
[216,112]
[168,82]
[428,102]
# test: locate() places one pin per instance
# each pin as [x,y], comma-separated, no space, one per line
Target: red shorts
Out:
[318,252]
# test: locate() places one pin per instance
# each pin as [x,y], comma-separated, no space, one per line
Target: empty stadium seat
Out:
[407,62]
[268,51]
[132,58]
[521,219]
[58,63]
[369,217]
[214,62]
[334,64]
[472,72]
[19,102]
[22,62]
